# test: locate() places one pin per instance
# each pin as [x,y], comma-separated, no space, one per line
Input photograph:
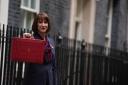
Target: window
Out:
[30,5]
[27,19]
[29,9]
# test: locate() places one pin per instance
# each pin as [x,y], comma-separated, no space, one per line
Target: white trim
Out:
[4,11]
[4,5]
[29,9]
[29,3]
[38,5]
[25,15]
[72,19]
[109,28]
[92,21]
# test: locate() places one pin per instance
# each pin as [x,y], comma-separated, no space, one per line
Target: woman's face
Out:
[42,25]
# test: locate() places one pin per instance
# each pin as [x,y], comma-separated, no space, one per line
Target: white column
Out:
[108,35]
[72,19]
[4,4]
[92,21]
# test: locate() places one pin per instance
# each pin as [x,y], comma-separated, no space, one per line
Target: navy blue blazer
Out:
[41,74]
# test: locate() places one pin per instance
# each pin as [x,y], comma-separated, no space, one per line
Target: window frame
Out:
[28,8]
[25,19]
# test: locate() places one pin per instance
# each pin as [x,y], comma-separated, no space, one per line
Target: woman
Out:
[41,74]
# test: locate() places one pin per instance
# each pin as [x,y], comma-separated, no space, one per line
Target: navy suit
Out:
[41,74]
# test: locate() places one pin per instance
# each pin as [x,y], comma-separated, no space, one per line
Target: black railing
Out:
[78,62]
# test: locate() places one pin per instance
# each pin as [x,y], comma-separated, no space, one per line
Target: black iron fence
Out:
[78,62]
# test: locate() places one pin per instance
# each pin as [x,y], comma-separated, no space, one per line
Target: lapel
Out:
[51,43]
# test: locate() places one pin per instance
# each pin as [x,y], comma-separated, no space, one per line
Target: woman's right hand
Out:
[27,35]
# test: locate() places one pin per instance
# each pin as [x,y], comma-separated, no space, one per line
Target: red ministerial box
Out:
[27,50]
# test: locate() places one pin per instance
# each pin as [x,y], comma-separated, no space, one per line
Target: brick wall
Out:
[58,11]
[119,26]
[115,24]
[14,12]
[101,22]
[119,23]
